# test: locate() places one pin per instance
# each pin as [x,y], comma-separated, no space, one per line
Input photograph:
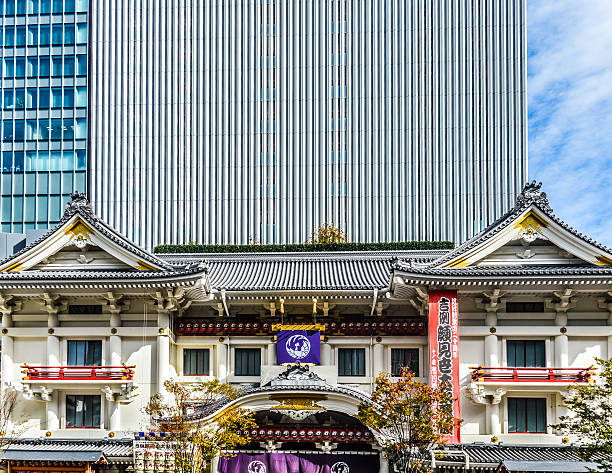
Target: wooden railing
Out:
[531,374]
[78,373]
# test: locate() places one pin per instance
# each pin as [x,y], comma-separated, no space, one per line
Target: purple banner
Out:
[298,345]
[279,462]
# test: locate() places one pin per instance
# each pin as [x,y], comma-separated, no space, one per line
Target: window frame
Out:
[235,365]
[525,399]
[419,353]
[513,340]
[196,349]
[366,366]
[100,411]
[64,344]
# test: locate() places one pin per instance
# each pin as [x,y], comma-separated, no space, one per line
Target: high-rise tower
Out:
[229,122]
[44,109]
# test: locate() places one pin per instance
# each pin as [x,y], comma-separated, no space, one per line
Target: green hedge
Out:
[304,247]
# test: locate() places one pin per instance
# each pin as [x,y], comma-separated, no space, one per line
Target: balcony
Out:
[115,382]
[78,373]
[503,375]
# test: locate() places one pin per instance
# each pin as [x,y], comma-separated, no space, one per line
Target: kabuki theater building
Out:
[92,326]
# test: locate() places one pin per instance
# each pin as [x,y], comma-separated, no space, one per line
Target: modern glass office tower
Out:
[230,122]
[44,110]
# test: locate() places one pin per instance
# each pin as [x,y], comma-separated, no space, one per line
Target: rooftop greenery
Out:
[305,247]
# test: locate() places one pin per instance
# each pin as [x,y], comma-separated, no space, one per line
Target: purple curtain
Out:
[298,345]
[299,463]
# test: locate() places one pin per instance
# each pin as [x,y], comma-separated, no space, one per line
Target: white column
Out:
[163,349]
[7,368]
[561,342]
[378,359]
[326,354]
[493,422]
[222,361]
[491,351]
[271,354]
[114,416]
[384,464]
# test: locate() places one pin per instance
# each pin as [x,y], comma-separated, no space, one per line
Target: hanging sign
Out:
[298,345]
[444,349]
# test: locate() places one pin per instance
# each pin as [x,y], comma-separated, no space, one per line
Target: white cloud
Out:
[570,109]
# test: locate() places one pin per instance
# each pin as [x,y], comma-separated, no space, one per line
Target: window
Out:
[58,35]
[527,415]
[84,352]
[351,362]
[196,362]
[248,362]
[526,353]
[84,309]
[82,412]
[524,307]
[44,35]
[404,357]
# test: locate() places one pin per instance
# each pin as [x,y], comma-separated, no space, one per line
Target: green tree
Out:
[590,417]
[327,233]
[193,441]
[409,417]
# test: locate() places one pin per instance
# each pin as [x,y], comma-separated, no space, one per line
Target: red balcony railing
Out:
[78,373]
[532,374]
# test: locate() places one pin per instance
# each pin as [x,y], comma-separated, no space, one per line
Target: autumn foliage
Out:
[327,233]
[194,441]
[408,418]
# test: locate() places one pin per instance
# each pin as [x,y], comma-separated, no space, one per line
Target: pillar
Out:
[326,354]
[384,464]
[163,349]
[115,341]
[271,354]
[378,364]
[491,351]
[561,342]
[114,416]
[493,421]
[222,361]
[7,368]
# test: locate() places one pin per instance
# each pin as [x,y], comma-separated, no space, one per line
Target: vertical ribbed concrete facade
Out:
[235,122]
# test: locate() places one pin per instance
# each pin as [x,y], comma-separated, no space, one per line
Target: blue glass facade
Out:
[44,110]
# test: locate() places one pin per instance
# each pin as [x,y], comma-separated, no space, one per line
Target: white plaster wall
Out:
[471,353]
[143,354]
[583,350]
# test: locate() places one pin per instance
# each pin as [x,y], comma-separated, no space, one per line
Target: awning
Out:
[84,456]
[513,466]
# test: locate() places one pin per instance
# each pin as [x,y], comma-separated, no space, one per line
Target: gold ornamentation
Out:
[531,220]
[145,266]
[603,261]
[460,263]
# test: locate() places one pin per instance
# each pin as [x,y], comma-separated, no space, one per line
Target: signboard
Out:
[153,456]
[444,348]
[279,462]
[298,345]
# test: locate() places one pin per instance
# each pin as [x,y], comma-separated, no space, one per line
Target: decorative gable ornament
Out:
[531,195]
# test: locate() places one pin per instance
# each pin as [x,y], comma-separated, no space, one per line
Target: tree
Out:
[193,442]
[590,417]
[409,417]
[327,233]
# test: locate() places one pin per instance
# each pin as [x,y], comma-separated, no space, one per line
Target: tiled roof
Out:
[542,271]
[492,455]
[90,456]
[530,196]
[549,466]
[96,275]
[303,271]
[113,449]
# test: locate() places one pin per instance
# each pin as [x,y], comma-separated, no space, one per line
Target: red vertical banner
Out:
[444,348]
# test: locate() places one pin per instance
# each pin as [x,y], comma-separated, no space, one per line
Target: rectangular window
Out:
[43,100]
[526,353]
[33,35]
[45,6]
[69,66]
[57,6]
[9,35]
[20,67]
[82,412]
[68,34]
[21,7]
[81,65]
[45,66]
[514,307]
[56,66]
[196,362]
[9,68]
[84,352]
[526,415]
[351,362]
[81,33]
[9,7]
[404,357]
[32,7]
[58,35]
[44,35]
[32,67]
[20,36]
[248,362]
[7,130]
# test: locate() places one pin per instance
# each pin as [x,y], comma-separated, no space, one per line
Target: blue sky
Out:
[570,109]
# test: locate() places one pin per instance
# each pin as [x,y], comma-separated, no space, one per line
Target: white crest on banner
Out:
[257,467]
[340,467]
[298,346]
